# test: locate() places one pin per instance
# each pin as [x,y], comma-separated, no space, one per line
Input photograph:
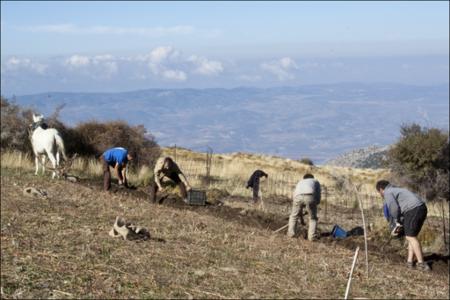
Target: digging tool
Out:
[285,226]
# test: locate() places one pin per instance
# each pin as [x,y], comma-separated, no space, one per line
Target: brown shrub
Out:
[86,139]
[102,136]
[14,126]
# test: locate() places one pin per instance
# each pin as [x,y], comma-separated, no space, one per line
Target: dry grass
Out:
[230,172]
[233,170]
[58,247]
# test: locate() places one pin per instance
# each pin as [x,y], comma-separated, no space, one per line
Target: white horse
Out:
[46,142]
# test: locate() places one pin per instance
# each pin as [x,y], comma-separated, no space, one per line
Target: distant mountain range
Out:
[316,121]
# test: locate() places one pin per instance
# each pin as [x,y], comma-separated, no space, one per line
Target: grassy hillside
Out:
[58,246]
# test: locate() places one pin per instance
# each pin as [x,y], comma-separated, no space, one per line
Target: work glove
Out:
[398,229]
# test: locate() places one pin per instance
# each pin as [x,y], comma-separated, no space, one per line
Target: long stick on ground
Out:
[281,228]
[365,231]
[351,273]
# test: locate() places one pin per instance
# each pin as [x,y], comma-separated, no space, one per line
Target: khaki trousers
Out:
[298,204]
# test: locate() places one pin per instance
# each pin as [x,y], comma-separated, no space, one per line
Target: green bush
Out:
[420,159]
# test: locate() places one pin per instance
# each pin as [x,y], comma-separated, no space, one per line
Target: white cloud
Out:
[100,66]
[281,68]
[16,64]
[161,54]
[56,28]
[288,63]
[78,61]
[171,64]
[110,68]
[176,75]
[205,66]
[98,29]
[162,61]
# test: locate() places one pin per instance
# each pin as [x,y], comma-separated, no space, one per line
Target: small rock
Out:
[72,179]
[229,269]
[199,273]
[243,212]
[34,192]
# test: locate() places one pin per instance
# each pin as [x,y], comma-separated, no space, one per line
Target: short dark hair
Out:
[382,184]
[308,175]
[133,154]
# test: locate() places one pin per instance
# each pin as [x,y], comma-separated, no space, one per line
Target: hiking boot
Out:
[423,266]
[410,265]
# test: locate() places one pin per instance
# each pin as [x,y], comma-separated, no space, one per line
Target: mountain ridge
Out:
[315,121]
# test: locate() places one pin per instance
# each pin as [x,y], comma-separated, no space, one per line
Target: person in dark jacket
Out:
[253,183]
[405,210]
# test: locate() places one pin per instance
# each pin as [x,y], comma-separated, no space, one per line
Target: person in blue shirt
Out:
[405,210]
[117,158]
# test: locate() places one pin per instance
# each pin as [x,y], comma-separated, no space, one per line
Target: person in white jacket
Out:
[306,194]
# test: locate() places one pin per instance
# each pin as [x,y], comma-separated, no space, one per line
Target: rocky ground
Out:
[371,157]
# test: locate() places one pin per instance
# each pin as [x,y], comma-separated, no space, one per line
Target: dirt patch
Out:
[248,217]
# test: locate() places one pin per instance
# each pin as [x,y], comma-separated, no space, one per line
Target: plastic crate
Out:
[338,232]
[196,197]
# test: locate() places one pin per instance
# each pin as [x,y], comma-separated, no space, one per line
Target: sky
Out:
[113,46]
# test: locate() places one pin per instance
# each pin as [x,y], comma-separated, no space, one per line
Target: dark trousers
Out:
[256,191]
[106,174]
[154,187]
[414,219]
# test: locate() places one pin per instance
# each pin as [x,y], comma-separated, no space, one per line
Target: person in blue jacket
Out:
[405,210]
[117,158]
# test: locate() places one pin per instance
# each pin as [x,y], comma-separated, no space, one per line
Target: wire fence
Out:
[206,171]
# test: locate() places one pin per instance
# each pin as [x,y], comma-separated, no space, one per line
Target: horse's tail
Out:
[60,144]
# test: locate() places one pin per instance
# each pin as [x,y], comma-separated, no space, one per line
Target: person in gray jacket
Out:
[405,209]
[306,194]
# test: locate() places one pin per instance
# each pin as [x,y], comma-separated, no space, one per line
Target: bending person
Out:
[117,158]
[166,167]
